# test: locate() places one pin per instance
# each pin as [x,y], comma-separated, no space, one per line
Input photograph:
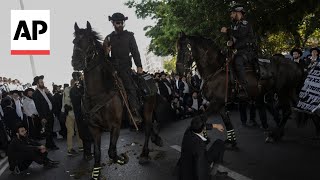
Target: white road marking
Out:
[5,166]
[232,174]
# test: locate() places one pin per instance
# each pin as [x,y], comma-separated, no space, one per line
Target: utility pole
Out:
[33,68]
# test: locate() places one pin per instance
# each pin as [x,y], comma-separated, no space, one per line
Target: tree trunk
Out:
[297,38]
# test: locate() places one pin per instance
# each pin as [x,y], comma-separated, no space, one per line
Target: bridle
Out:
[88,54]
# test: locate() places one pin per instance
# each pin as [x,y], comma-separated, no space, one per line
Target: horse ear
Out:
[182,34]
[76,27]
[89,26]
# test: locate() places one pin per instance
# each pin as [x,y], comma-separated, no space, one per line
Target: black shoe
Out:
[54,162]
[220,173]
[49,165]
[72,152]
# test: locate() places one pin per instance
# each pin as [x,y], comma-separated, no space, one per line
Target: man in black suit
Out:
[195,160]
[23,151]
[43,102]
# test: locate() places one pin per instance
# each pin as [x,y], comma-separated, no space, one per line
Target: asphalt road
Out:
[295,157]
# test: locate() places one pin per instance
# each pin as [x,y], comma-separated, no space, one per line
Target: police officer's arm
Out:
[106,46]
[135,51]
[243,31]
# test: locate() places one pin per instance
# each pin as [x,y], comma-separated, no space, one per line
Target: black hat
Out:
[296,50]
[36,80]
[6,101]
[117,17]
[14,91]
[312,49]
[197,124]
[18,126]
[27,90]
[237,8]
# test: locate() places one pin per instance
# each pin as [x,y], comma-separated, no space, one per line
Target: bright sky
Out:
[57,67]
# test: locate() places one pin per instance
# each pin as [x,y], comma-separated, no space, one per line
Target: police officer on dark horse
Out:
[242,39]
[104,98]
[122,45]
[280,75]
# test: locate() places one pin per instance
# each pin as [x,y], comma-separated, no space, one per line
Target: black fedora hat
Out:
[36,80]
[25,92]
[315,49]
[296,50]
[117,17]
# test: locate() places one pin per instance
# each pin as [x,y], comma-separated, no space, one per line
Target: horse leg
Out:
[112,152]
[316,122]
[231,136]
[148,111]
[96,133]
[155,130]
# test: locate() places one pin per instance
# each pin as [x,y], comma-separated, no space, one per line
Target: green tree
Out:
[293,19]
[170,65]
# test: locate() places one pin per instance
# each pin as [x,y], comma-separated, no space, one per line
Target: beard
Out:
[41,86]
[119,29]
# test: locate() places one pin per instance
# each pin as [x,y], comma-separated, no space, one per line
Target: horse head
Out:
[85,44]
[185,54]
[204,52]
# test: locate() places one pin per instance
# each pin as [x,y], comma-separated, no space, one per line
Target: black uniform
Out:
[244,42]
[123,47]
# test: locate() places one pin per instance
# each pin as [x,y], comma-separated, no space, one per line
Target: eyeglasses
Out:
[119,22]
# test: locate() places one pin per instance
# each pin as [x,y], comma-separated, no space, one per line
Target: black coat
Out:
[42,105]
[10,118]
[163,89]
[21,149]
[57,104]
[194,163]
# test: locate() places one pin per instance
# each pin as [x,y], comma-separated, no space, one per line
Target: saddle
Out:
[145,86]
[262,68]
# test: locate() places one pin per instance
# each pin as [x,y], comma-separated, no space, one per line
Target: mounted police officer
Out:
[243,41]
[120,46]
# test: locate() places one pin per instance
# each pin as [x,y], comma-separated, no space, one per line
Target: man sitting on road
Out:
[195,160]
[23,151]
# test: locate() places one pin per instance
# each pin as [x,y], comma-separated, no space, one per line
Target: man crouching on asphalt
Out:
[195,161]
[23,151]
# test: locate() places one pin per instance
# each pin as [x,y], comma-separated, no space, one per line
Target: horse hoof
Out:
[121,160]
[231,145]
[158,141]
[269,140]
[144,160]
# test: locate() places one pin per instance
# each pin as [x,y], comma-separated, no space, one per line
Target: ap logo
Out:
[30,32]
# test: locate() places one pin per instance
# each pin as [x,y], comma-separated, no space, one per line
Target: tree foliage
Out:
[280,23]
[170,65]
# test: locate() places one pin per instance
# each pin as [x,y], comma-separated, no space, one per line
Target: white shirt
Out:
[46,97]
[29,107]
[1,110]
[195,104]
[202,138]
[186,87]
[177,84]
[18,108]
[169,89]
[13,87]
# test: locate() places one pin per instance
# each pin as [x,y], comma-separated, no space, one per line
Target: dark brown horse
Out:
[211,65]
[102,101]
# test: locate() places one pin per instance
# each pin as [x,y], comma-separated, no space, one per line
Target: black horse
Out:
[211,61]
[102,100]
